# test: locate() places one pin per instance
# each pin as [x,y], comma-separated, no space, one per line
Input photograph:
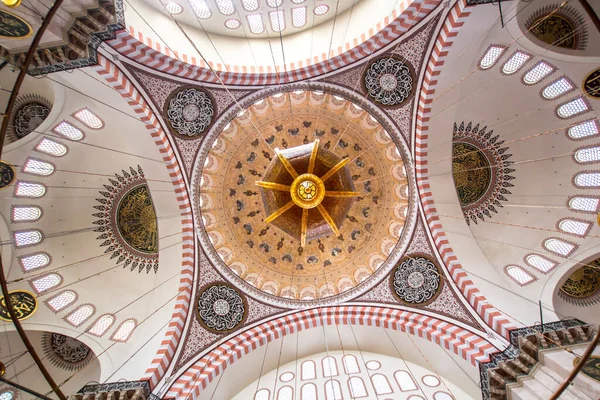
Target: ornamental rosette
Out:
[416,280]
[190,112]
[221,308]
[389,81]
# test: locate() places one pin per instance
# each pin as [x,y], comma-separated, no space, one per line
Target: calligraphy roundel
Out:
[13,27]
[591,84]
[7,174]
[189,112]
[221,308]
[24,304]
[416,281]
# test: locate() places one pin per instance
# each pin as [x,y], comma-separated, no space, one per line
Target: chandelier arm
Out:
[335,169]
[273,186]
[335,193]
[313,156]
[304,227]
[279,212]
[328,219]
[286,164]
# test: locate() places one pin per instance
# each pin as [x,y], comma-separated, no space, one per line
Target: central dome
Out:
[303,195]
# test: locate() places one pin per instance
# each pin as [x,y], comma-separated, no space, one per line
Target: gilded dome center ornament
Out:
[221,308]
[389,81]
[416,281]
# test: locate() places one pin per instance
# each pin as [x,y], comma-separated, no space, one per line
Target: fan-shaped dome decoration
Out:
[29,112]
[389,81]
[221,308]
[65,352]
[480,171]
[190,112]
[559,25]
[416,281]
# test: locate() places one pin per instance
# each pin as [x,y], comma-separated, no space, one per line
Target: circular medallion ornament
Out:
[591,84]
[190,112]
[389,81]
[24,304]
[584,282]
[7,174]
[221,308]
[66,352]
[591,368]
[416,281]
[13,27]
[30,111]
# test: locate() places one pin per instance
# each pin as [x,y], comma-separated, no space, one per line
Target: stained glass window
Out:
[277,21]
[557,88]
[80,315]
[29,189]
[308,370]
[26,213]
[38,167]
[124,331]
[102,325]
[381,384]
[572,108]
[537,73]
[589,204]
[584,129]
[333,390]
[34,261]
[51,147]
[299,17]
[587,179]
[575,227]
[256,23]
[515,62]
[540,263]
[69,131]
[491,56]
[559,246]
[46,282]
[86,116]
[350,364]
[62,300]
[357,387]
[200,8]
[519,275]
[588,154]
[27,238]
[405,381]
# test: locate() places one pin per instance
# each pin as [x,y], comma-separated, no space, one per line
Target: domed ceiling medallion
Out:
[30,111]
[302,196]
[416,281]
[325,184]
[7,174]
[389,81]
[66,352]
[221,308]
[480,171]
[128,223]
[189,112]
[583,285]
[559,25]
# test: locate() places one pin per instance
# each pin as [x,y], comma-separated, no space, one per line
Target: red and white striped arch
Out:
[149,52]
[462,342]
[117,80]
[492,316]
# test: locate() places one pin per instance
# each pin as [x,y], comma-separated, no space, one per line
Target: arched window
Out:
[51,147]
[559,246]
[575,227]
[587,179]
[350,364]
[415,397]
[69,131]
[442,396]
[515,62]
[80,315]
[256,23]
[27,238]
[538,72]
[285,393]
[201,8]
[357,387]
[274,3]
[329,367]
[405,381]
[26,213]
[558,88]
[491,56]
[101,325]
[299,17]
[89,118]
[572,108]
[584,129]
[381,384]
[588,204]
[430,380]
[7,395]
[124,331]
[588,154]
[262,394]
[250,5]
[61,300]
[540,263]
[277,20]
[34,261]
[29,189]
[308,370]
[225,7]
[333,390]
[519,275]
[308,392]
[38,167]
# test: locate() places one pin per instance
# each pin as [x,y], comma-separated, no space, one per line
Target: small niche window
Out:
[519,275]
[308,370]
[124,331]
[321,9]
[333,390]
[540,263]
[226,7]
[256,23]
[308,392]
[29,189]
[588,204]
[491,56]
[101,325]
[588,154]
[373,365]
[250,5]
[537,73]
[26,213]
[89,118]
[277,20]
[430,380]
[80,315]
[574,227]
[38,167]
[34,261]
[299,17]
[381,384]
[262,394]
[62,300]
[51,147]
[572,108]
[515,62]
[329,367]
[405,381]
[559,246]
[557,88]
[69,131]
[357,387]
[27,238]
[350,364]
[200,8]
[584,129]
[46,282]
[285,393]
[587,179]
